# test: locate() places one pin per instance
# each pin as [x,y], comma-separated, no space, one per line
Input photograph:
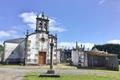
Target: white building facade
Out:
[35,48]
[79,58]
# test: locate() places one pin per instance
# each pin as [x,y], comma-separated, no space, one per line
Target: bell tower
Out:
[42,24]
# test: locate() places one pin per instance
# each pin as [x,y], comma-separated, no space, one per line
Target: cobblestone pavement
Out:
[18,72]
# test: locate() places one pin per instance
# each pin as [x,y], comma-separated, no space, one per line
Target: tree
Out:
[1,48]
[110,48]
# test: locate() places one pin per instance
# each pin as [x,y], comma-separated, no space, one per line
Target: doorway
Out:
[42,58]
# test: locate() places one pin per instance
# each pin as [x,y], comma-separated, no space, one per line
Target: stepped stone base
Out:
[49,73]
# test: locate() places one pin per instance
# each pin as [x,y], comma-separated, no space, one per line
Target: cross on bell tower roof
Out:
[43,14]
[37,16]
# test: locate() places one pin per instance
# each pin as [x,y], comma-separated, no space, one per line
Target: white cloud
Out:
[30,19]
[114,41]
[73,44]
[102,2]
[10,33]
[4,33]
[1,42]
[53,26]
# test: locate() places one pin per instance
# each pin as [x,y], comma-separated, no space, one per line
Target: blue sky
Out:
[85,21]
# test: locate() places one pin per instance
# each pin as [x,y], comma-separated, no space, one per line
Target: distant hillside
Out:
[110,48]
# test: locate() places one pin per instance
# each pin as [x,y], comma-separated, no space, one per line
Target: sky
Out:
[88,22]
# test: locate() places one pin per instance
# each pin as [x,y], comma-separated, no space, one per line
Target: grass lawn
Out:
[111,75]
[58,66]
[34,76]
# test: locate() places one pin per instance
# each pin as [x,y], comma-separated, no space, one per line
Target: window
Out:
[28,55]
[47,55]
[28,44]
[55,55]
[35,60]
[28,60]
[29,50]
[36,55]
[55,50]
[29,41]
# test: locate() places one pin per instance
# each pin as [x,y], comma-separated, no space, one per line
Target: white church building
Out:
[34,48]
